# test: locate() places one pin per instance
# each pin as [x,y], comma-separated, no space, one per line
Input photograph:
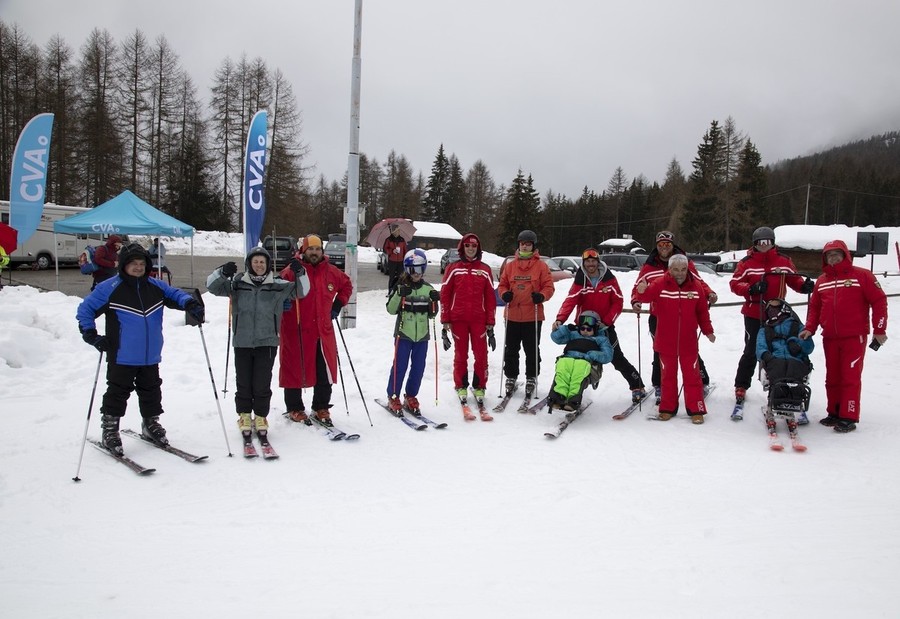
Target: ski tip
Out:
[800,448]
[777,447]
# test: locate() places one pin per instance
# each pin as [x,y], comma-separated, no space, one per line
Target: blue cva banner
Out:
[29,176]
[254,169]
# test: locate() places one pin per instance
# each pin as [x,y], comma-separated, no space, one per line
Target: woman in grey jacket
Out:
[258,297]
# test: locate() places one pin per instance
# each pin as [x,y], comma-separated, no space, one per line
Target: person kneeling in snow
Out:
[587,349]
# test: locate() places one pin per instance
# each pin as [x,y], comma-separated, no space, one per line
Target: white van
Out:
[39,250]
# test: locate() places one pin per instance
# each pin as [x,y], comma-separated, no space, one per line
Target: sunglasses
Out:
[586,328]
[664,244]
[475,245]
[590,253]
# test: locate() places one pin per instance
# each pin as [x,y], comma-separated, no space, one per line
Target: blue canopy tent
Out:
[125,214]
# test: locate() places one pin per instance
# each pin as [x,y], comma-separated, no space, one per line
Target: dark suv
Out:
[624,262]
[282,251]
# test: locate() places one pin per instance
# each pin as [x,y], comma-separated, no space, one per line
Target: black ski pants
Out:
[622,365]
[747,363]
[525,335]
[293,398]
[253,375]
[121,380]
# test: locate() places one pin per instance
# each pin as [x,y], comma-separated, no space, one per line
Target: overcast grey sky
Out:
[566,90]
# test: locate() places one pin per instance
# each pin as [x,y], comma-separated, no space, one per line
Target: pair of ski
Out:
[775,443]
[325,429]
[567,421]
[417,421]
[524,407]
[467,412]
[707,390]
[250,449]
[139,468]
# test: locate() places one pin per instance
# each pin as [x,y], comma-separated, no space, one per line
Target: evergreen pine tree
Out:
[434,204]
[520,212]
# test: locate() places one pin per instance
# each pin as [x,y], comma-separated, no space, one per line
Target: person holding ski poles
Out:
[468,305]
[682,309]
[759,277]
[843,298]
[596,289]
[525,284]
[309,352]
[655,267]
[414,302]
[257,303]
[133,305]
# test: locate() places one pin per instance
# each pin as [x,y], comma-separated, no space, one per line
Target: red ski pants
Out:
[693,384]
[843,375]
[462,333]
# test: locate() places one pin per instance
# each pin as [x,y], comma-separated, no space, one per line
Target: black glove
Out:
[794,348]
[492,341]
[537,297]
[196,310]
[336,309]
[445,338]
[759,287]
[404,291]
[766,357]
[808,286]
[97,341]
[229,269]
[434,295]
[296,266]
[507,296]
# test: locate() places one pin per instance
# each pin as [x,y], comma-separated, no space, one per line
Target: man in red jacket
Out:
[107,258]
[596,289]
[656,266]
[468,306]
[525,284]
[395,249]
[841,302]
[308,351]
[759,277]
[682,308]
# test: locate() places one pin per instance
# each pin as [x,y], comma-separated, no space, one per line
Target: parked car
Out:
[727,266]
[705,268]
[624,262]
[450,256]
[335,251]
[568,263]
[282,250]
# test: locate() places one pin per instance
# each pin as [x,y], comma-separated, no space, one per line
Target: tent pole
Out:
[56,259]
[192,261]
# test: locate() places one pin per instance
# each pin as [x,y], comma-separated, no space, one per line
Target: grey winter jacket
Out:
[256,309]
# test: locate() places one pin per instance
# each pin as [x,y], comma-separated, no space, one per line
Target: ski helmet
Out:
[589,318]
[415,261]
[527,236]
[258,251]
[763,233]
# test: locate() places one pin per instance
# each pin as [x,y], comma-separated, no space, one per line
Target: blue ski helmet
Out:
[415,261]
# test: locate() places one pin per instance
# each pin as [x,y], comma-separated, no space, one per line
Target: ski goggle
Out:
[591,254]
[765,242]
[587,321]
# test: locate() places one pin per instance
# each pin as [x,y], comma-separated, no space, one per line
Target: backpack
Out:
[86,260]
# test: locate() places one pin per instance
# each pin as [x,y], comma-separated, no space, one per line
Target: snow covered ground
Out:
[615,519]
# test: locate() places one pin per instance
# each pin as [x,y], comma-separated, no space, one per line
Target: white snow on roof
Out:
[436,230]
[619,242]
[815,238]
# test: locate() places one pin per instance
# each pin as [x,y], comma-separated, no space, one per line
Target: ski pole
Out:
[88,420]
[227,349]
[505,340]
[215,393]
[434,337]
[352,369]
[640,371]
[537,352]
[343,388]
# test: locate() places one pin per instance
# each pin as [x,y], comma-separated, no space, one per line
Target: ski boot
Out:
[109,427]
[152,429]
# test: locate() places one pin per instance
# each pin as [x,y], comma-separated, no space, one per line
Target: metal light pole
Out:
[351,214]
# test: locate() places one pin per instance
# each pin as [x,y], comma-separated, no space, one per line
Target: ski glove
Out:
[445,338]
[296,266]
[794,348]
[404,291]
[229,269]
[196,310]
[808,286]
[434,295]
[97,341]
[336,309]
[759,287]
[492,341]
[507,296]
[537,298]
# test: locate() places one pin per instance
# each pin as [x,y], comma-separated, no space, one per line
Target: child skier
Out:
[414,301]
[587,348]
[784,356]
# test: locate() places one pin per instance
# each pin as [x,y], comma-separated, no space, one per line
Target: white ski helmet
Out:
[415,261]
